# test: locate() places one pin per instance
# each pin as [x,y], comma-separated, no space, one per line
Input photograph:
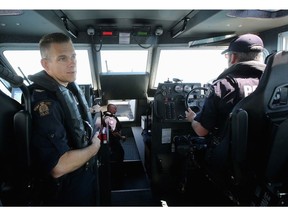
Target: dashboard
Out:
[170,100]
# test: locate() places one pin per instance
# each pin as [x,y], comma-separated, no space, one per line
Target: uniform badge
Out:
[43,108]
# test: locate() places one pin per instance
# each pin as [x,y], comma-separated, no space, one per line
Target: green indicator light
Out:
[142,33]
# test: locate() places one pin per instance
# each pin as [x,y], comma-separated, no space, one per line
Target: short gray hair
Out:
[249,56]
[47,40]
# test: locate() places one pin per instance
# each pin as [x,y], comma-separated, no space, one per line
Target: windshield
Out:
[188,65]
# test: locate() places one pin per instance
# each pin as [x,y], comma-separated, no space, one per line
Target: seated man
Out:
[111,120]
[246,67]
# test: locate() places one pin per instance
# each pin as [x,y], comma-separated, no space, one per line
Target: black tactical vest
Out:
[78,119]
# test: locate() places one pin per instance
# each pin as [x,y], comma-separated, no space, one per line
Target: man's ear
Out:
[233,58]
[44,63]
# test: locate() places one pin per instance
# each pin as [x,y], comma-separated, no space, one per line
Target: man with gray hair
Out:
[246,66]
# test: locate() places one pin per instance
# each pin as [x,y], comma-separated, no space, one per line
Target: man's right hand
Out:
[96,141]
[190,115]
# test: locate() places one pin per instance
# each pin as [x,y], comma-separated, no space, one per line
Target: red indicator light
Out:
[107,33]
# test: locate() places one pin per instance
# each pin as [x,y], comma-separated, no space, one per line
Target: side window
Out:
[4,89]
[28,62]
[282,41]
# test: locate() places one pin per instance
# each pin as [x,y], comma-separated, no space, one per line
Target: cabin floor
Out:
[130,185]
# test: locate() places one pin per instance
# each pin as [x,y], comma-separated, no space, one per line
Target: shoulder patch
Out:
[42,108]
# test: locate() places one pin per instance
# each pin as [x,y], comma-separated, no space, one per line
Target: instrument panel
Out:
[176,88]
[169,100]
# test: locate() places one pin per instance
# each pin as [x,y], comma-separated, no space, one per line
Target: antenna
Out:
[107,68]
[24,76]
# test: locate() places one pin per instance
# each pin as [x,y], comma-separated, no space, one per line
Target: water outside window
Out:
[124,60]
[189,65]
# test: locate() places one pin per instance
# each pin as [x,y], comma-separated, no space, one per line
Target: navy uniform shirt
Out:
[226,93]
[49,137]
[49,142]
[230,87]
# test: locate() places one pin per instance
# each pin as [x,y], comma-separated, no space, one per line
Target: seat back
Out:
[8,161]
[15,131]
[259,125]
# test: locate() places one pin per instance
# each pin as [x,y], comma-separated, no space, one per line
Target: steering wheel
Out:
[195,98]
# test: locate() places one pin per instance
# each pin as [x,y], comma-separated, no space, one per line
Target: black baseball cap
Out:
[245,43]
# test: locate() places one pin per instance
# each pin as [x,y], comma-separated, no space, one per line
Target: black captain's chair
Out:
[15,126]
[259,138]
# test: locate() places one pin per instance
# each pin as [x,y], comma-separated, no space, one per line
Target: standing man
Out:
[63,145]
[115,136]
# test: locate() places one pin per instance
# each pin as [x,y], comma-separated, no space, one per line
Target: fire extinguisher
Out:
[104,135]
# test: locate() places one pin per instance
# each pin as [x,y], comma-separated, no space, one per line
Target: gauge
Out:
[187,88]
[163,87]
[178,88]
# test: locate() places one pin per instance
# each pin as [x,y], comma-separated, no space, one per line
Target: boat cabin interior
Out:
[154,64]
